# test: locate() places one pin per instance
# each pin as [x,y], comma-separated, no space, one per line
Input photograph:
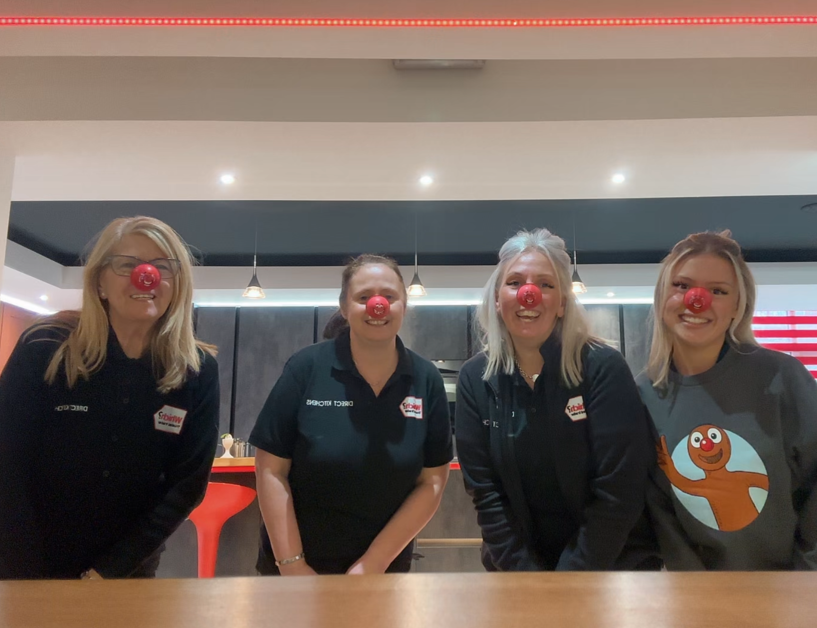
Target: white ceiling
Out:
[345,161]
[160,113]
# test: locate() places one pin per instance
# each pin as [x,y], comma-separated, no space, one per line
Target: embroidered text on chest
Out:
[324,403]
[71,408]
[169,419]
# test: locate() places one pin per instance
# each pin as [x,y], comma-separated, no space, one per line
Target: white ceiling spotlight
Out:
[611,294]
[426,180]
[227,178]
[618,178]
[43,297]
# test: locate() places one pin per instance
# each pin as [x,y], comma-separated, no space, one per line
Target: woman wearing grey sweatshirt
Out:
[736,484]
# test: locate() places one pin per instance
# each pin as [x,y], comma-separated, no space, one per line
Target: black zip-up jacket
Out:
[603,453]
[98,475]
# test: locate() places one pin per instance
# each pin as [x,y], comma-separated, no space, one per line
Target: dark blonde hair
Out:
[172,345]
[740,331]
[359,262]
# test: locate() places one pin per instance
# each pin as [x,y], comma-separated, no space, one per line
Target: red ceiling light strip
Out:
[408,23]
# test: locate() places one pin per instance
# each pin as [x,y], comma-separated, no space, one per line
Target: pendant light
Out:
[253,289]
[416,287]
[578,284]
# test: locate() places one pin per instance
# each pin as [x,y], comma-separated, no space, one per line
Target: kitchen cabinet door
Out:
[437,332]
[216,325]
[267,337]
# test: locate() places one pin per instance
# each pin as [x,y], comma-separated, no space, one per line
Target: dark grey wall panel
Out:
[437,332]
[216,325]
[267,337]
[637,336]
[605,323]
[324,314]
[475,331]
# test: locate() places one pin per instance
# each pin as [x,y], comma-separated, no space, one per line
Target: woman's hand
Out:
[366,565]
[298,568]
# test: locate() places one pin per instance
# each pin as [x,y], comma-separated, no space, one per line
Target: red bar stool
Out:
[221,501]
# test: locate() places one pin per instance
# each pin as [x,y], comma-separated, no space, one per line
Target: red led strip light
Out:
[407,23]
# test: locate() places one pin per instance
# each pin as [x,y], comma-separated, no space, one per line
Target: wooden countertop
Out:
[248,464]
[574,600]
[234,462]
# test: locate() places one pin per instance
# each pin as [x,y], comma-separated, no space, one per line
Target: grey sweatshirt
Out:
[737,488]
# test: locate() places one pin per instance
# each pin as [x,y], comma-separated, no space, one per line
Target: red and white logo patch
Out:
[169,419]
[575,409]
[412,407]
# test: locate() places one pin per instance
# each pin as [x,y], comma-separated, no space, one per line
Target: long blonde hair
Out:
[572,329]
[740,330]
[173,347]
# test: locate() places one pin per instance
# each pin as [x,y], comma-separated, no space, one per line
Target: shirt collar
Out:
[116,354]
[344,361]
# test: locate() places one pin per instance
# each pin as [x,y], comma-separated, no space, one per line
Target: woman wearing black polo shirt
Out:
[551,434]
[353,442]
[109,416]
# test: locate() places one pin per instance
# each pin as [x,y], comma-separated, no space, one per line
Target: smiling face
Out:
[530,326]
[709,447]
[127,305]
[706,329]
[368,281]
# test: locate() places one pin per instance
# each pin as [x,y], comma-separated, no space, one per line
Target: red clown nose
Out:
[145,277]
[529,296]
[698,299]
[377,307]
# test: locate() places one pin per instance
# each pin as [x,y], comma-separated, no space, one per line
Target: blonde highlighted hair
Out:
[740,330]
[173,347]
[572,329]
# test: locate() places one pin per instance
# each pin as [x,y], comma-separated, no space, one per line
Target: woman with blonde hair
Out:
[551,435]
[736,422]
[109,416]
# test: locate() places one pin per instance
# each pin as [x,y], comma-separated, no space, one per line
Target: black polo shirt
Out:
[97,476]
[355,456]
[535,448]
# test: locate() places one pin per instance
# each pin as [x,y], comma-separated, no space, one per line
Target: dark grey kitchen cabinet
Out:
[437,332]
[267,337]
[637,336]
[216,325]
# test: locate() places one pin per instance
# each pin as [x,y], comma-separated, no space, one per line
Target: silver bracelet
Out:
[289,561]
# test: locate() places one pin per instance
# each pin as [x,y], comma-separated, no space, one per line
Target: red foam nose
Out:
[698,299]
[377,307]
[707,445]
[529,295]
[145,277]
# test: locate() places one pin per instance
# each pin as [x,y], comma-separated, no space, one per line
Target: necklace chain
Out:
[524,374]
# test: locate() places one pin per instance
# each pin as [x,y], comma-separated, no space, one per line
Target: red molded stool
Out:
[221,501]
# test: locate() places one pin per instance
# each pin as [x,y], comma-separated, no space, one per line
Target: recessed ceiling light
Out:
[611,294]
[618,178]
[227,179]
[426,180]
[43,297]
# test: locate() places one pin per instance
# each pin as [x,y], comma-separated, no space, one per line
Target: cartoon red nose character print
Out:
[710,449]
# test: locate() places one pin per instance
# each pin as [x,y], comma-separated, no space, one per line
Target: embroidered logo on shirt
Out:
[412,407]
[169,419]
[71,408]
[575,409]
